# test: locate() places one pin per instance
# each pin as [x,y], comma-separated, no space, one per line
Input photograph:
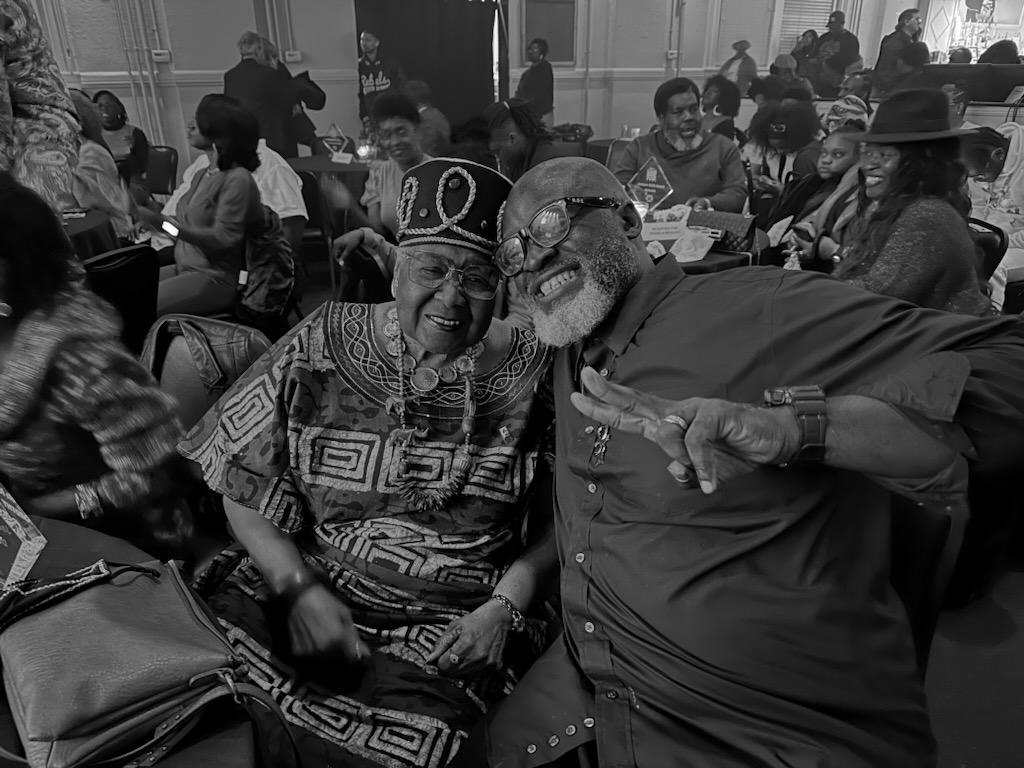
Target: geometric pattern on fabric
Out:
[338,458]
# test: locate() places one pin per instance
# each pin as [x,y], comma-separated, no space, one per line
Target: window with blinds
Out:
[749,20]
[801,15]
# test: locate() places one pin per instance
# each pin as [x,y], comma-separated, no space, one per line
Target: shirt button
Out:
[588,627]
[553,741]
[592,487]
[570,730]
[588,722]
[531,749]
[604,372]
[580,557]
[589,430]
[612,695]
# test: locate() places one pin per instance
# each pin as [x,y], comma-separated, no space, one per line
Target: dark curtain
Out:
[445,43]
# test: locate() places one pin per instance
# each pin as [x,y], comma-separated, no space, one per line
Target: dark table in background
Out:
[91,234]
[353,175]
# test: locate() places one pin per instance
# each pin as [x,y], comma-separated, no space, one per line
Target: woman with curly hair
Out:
[911,239]
[721,104]
[783,140]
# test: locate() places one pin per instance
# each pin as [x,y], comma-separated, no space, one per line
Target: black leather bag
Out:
[737,230]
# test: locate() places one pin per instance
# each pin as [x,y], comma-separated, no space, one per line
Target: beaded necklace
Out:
[424,380]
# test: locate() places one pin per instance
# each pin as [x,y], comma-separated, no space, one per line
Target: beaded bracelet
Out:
[518,620]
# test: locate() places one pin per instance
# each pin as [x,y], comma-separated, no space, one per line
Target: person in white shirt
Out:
[280,189]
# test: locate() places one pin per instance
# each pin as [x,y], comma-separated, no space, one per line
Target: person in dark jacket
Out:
[537,85]
[268,93]
[837,50]
[376,75]
[309,95]
[908,30]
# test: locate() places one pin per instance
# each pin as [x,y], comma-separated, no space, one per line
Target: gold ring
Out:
[679,421]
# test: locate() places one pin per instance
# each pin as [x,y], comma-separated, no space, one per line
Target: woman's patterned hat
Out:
[453,202]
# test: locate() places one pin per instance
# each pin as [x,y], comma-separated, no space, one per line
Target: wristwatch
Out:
[808,402]
[518,620]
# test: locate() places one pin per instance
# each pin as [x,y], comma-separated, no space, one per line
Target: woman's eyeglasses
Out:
[549,227]
[432,271]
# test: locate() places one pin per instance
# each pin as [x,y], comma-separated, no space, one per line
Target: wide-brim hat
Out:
[452,202]
[920,114]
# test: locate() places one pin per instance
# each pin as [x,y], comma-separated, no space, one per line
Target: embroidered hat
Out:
[454,202]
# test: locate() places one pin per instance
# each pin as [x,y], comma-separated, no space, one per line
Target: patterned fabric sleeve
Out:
[242,443]
[100,387]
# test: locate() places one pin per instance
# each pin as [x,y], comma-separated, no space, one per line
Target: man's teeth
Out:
[444,322]
[556,282]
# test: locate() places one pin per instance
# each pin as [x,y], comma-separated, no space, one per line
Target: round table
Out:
[90,234]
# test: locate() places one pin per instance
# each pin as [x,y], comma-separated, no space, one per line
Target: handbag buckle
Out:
[229,680]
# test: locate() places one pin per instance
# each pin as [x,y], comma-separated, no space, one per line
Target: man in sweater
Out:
[537,85]
[375,75]
[908,30]
[704,169]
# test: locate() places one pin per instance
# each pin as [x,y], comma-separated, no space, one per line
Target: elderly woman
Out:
[376,465]
[910,239]
[85,433]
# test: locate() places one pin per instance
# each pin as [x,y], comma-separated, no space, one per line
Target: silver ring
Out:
[453,658]
[679,421]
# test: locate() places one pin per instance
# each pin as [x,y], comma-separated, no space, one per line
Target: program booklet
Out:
[20,540]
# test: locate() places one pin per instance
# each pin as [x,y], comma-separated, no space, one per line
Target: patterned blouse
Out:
[305,438]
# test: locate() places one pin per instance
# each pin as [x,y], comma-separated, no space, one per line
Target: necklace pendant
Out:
[425,380]
[395,347]
[448,374]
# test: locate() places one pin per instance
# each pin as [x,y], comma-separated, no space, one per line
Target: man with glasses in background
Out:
[725,451]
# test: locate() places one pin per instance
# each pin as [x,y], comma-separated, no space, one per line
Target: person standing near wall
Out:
[266,92]
[908,31]
[537,85]
[375,75]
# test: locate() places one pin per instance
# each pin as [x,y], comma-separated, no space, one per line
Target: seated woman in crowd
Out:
[85,434]
[704,169]
[910,239]
[96,181]
[220,209]
[844,110]
[721,104]
[804,50]
[783,141]
[519,139]
[398,123]
[128,144]
[791,221]
[995,162]
[378,480]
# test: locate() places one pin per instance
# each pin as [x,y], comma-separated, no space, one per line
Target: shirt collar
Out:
[618,330]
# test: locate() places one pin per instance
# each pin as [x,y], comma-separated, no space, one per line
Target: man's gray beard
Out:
[608,273]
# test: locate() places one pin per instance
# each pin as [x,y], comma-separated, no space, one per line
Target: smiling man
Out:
[704,169]
[733,608]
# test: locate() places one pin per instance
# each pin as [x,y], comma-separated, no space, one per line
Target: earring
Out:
[5,309]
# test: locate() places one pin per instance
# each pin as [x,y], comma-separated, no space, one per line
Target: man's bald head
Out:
[553,180]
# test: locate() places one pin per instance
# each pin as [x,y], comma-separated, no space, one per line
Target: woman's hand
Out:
[827,248]
[715,440]
[699,203]
[767,184]
[474,643]
[148,217]
[320,624]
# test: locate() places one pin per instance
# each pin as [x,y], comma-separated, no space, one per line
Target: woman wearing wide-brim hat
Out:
[911,238]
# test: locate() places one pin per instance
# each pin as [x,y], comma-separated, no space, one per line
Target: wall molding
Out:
[207,78]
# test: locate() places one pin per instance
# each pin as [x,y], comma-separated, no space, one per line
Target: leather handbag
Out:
[112,665]
[737,229]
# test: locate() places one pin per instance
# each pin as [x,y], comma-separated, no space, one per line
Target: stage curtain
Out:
[446,43]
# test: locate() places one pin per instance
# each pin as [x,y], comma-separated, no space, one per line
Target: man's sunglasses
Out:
[549,226]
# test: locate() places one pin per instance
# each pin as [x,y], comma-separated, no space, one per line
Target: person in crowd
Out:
[735,607]
[783,141]
[995,163]
[97,183]
[838,51]
[908,30]
[858,84]
[790,225]
[765,91]
[911,239]
[704,169]
[795,94]
[908,72]
[537,85]
[376,75]
[785,68]
[961,55]
[398,123]
[38,129]
[804,50]
[86,435]
[843,110]
[518,139]
[308,95]
[213,218]
[721,104]
[740,68]
[959,100]
[266,92]
[279,186]
[397,583]
[471,140]
[1000,52]
[127,143]
[435,130]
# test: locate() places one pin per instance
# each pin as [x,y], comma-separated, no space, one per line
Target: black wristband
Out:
[808,403]
[295,586]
